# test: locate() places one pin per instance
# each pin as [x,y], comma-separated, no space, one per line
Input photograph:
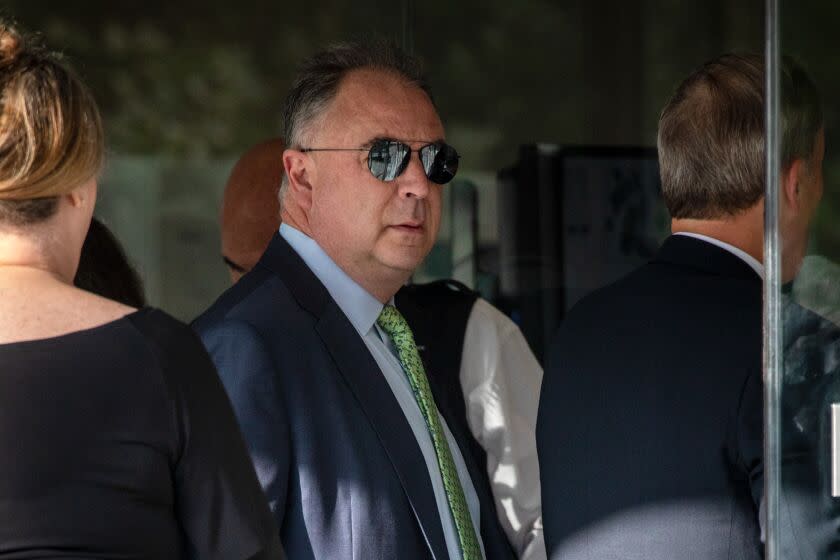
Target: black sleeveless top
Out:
[119,442]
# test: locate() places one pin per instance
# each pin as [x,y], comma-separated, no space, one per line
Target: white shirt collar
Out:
[747,258]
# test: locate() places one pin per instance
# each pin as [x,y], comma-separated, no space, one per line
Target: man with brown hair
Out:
[476,356]
[355,455]
[650,423]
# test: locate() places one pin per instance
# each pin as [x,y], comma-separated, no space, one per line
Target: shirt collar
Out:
[360,307]
[744,256]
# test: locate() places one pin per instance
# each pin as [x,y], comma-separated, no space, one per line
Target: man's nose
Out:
[413,183]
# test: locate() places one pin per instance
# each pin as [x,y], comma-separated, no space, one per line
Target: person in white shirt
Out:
[501,381]
[480,363]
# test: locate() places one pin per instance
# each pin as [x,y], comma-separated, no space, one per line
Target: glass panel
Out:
[808,345]
[553,106]
[554,109]
[185,89]
[772,327]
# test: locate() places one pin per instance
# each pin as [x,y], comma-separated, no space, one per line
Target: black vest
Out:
[437,314]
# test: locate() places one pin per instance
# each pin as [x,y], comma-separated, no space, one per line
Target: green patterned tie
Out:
[394,324]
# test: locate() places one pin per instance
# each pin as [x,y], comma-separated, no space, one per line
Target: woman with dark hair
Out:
[116,437]
[104,269]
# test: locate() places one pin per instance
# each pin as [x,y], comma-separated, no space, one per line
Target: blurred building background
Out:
[186,87]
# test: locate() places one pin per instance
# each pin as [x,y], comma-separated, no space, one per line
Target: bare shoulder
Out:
[55,310]
[91,310]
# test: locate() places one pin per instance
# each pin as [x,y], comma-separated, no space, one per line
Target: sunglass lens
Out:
[440,162]
[387,159]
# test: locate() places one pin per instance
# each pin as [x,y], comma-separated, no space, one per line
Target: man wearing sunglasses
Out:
[352,451]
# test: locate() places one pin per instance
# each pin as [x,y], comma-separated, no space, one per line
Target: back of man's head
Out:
[250,209]
[712,135]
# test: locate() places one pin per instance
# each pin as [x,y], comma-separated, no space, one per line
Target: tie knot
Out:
[391,321]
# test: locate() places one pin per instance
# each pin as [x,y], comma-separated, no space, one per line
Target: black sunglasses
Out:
[387,159]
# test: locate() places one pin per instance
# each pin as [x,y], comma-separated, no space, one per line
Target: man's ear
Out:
[791,179]
[300,171]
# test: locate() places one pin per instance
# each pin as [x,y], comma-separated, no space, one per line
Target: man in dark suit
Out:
[354,456]
[650,424]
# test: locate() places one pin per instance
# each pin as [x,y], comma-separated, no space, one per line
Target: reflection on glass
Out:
[809,514]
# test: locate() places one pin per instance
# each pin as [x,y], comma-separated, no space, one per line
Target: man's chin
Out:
[406,261]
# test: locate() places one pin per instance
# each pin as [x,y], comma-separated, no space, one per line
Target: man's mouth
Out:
[409,227]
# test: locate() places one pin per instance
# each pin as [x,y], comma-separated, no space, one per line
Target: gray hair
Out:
[711,137]
[320,76]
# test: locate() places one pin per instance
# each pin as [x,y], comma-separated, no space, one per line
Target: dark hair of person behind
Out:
[105,270]
[51,138]
[712,135]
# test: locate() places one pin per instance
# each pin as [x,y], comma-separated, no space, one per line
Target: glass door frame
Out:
[772,290]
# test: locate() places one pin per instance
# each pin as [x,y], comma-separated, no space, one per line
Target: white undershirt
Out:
[501,381]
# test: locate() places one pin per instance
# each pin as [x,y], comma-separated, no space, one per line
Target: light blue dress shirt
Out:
[362,309]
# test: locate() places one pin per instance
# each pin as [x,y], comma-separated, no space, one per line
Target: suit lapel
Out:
[367,383]
[370,388]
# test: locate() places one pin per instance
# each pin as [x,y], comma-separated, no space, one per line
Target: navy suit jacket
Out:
[650,423]
[335,455]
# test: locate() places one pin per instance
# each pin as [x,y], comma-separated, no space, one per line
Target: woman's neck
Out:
[27,255]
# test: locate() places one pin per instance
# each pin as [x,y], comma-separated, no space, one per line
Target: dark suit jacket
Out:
[336,457]
[650,423]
